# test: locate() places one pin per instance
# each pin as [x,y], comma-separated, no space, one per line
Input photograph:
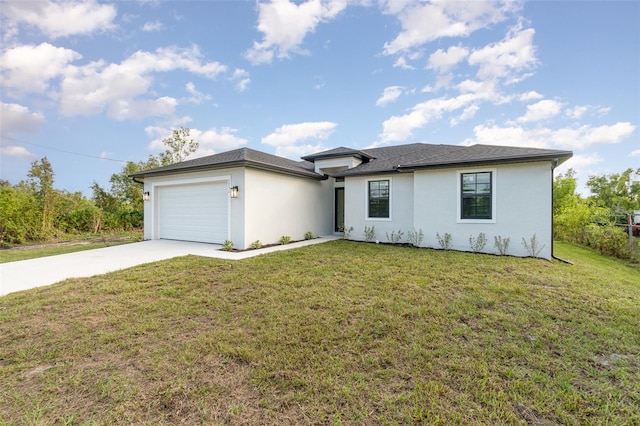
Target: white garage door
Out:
[194,212]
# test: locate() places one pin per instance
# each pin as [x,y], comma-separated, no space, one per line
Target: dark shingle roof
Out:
[375,160]
[242,157]
[419,155]
[337,152]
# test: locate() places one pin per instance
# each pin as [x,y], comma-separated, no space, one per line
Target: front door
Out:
[339,210]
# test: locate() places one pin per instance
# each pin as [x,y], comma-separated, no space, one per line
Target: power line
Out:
[65,151]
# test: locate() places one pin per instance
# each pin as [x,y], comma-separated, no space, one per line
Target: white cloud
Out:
[196,96]
[576,112]
[541,110]
[530,96]
[18,152]
[467,113]
[390,94]
[209,141]
[29,68]
[16,118]
[578,138]
[285,24]
[61,19]
[401,62]
[241,77]
[507,58]
[442,61]
[152,26]
[423,22]
[133,109]
[635,153]
[286,138]
[92,88]
[399,128]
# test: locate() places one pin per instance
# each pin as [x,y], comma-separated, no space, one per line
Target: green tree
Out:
[617,190]
[40,181]
[178,147]
[122,204]
[564,191]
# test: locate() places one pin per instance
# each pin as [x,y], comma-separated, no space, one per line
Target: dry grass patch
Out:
[337,333]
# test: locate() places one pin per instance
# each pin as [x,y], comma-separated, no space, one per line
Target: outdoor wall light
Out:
[233,191]
[146,196]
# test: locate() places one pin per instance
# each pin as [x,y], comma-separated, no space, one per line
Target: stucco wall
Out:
[233,176]
[277,205]
[401,208]
[523,207]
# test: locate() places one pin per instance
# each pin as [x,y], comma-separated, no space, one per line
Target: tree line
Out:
[34,211]
[600,220]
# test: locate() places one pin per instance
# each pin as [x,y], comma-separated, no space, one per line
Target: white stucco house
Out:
[246,195]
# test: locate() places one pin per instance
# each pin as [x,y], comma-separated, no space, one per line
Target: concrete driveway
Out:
[26,274]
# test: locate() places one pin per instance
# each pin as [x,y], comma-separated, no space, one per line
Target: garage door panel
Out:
[196,212]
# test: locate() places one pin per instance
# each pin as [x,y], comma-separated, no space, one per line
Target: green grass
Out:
[69,244]
[336,333]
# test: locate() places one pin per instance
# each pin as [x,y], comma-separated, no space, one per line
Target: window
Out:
[378,202]
[476,195]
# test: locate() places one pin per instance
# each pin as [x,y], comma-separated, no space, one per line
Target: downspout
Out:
[554,164]
[137,181]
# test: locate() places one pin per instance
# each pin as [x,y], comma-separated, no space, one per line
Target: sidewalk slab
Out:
[26,274]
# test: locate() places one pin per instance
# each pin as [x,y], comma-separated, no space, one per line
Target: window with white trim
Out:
[476,195]
[378,199]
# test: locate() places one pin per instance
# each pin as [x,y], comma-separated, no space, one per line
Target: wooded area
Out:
[34,211]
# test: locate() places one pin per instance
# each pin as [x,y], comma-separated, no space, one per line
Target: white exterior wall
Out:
[277,205]
[401,206]
[522,207]
[339,163]
[233,177]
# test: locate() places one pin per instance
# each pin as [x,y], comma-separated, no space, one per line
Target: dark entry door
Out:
[339,210]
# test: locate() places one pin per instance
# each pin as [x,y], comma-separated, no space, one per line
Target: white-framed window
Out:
[378,199]
[476,196]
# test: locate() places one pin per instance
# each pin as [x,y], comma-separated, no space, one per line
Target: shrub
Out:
[533,246]
[501,244]
[346,232]
[227,245]
[477,244]
[256,244]
[369,233]
[309,235]
[445,241]
[416,237]
[285,239]
[395,237]
[607,239]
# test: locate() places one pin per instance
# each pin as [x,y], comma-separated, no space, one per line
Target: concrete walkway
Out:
[26,274]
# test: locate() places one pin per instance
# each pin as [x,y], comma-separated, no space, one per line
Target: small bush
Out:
[501,244]
[227,245]
[445,241]
[285,239]
[477,244]
[533,246]
[607,239]
[395,237]
[309,235]
[369,233]
[346,232]
[416,237]
[256,244]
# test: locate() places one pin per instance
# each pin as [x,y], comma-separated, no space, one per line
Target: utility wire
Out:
[65,151]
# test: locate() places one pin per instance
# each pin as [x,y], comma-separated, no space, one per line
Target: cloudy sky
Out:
[92,84]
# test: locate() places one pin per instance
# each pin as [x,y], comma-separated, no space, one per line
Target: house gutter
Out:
[137,181]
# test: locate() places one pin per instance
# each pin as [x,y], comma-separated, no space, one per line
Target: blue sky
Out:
[92,84]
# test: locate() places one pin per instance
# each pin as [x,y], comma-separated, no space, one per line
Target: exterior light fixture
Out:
[233,192]
[146,196]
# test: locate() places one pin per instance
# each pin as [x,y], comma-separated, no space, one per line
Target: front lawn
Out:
[335,333]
